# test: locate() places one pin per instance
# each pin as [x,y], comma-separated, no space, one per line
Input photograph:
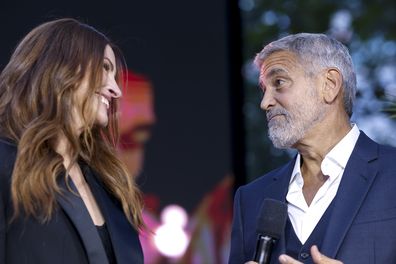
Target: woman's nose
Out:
[112,88]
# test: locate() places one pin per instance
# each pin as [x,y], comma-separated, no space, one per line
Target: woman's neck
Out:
[62,147]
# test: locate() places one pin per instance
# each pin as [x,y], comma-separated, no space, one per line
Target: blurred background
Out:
[191,127]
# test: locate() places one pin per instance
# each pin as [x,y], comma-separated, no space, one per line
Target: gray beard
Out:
[284,134]
[291,127]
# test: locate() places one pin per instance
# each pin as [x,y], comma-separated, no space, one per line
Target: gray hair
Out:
[318,51]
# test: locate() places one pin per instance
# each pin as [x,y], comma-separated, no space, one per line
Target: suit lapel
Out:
[357,179]
[76,210]
[278,191]
[124,238]
[281,179]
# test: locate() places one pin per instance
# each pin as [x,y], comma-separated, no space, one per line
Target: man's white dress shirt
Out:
[304,218]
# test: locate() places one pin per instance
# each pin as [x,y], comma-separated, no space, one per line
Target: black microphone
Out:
[270,226]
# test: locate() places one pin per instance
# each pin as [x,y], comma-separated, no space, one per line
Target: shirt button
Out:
[304,255]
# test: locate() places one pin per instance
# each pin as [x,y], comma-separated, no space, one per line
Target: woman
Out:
[64,196]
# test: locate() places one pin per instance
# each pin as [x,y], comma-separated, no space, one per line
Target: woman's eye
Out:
[106,67]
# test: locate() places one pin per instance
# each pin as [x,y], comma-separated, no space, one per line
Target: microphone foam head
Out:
[272,219]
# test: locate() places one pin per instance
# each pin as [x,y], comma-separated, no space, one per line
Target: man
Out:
[340,188]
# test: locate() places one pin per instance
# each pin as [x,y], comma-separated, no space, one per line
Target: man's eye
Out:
[279,82]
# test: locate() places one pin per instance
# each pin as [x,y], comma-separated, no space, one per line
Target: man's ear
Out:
[332,85]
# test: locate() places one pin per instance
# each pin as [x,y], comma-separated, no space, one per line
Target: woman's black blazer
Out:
[70,237]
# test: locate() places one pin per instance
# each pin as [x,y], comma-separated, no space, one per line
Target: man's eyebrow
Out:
[271,73]
[275,71]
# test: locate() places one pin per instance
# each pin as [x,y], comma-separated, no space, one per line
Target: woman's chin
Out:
[102,121]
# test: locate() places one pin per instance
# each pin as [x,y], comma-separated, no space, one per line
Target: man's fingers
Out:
[285,259]
[316,255]
[319,258]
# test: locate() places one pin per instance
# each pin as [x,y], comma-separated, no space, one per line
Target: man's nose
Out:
[268,100]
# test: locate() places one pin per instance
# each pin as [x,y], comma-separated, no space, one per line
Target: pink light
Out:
[170,238]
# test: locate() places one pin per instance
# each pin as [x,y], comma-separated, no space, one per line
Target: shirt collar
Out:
[296,174]
[335,161]
[337,158]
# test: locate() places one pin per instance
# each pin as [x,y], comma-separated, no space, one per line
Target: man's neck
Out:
[321,139]
[313,148]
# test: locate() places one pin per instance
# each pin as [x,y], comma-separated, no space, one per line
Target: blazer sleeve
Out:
[2,229]
[4,186]
[7,160]
[237,255]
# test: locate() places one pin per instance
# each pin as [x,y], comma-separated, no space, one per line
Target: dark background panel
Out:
[182,47]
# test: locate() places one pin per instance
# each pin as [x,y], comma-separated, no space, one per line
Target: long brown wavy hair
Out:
[37,95]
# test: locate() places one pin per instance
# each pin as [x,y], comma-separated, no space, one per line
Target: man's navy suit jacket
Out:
[362,226]
[70,237]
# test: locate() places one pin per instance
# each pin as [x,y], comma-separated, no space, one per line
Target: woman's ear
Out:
[332,86]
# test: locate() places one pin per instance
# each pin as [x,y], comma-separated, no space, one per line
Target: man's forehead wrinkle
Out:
[273,70]
[275,63]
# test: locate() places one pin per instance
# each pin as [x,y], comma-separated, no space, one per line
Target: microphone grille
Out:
[272,219]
